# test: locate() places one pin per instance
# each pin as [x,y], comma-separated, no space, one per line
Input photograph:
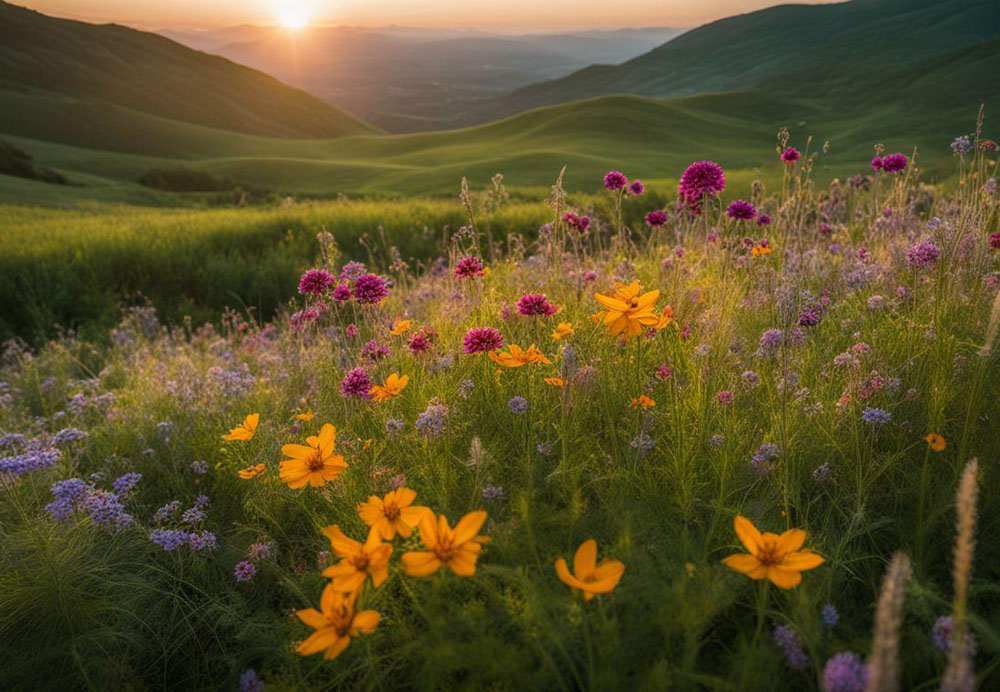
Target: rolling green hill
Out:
[144,72]
[829,43]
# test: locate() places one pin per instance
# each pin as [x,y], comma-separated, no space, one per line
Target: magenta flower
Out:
[923,255]
[533,304]
[615,180]
[636,188]
[790,155]
[893,163]
[315,281]
[370,289]
[995,240]
[420,342]
[763,219]
[877,163]
[741,210]
[356,384]
[656,218]
[342,293]
[469,268]
[580,223]
[701,179]
[482,340]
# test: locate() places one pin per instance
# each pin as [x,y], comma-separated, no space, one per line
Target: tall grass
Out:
[896,352]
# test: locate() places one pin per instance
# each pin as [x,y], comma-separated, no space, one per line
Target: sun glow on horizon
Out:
[293,18]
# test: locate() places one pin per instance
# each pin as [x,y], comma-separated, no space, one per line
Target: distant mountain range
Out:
[410,79]
[816,46]
[151,74]
[104,105]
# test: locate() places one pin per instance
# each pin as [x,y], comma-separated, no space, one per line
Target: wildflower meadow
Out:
[684,438]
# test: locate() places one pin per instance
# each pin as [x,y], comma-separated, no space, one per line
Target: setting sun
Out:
[294,18]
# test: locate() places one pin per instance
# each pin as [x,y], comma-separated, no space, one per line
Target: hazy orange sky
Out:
[486,14]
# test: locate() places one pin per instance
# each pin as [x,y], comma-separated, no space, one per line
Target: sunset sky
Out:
[505,15]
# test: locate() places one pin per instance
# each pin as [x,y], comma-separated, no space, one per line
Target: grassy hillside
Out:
[150,74]
[828,42]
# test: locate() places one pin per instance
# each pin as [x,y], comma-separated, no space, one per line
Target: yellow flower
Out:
[515,357]
[627,312]
[251,471]
[394,384]
[643,401]
[335,625]
[771,556]
[358,560]
[245,430]
[563,329]
[457,548]
[393,513]
[315,462]
[589,577]
[935,441]
[400,326]
[666,317]
[760,250]
[555,381]
[307,416]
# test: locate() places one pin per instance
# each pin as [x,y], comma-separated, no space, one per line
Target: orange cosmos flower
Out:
[400,326]
[251,471]
[644,402]
[759,250]
[335,625]
[245,430]
[515,357]
[392,514]
[627,312]
[589,577]
[666,317]
[306,417]
[774,557]
[394,384]
[315,462]
[935,441]
[457,548]
[358,560]
[563,329]
[555,381]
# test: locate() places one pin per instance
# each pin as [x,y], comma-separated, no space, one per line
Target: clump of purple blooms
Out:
[701,179]
[741,210]
[370,289]
[636,188]
[615,180]
[923,255]
[469,267]
[893,163]
[845,672]
[431,422]
[482,340]
[315,281]
[534,304]
[790,155]
[244,571]
[942,632]
[249,682]
[104,507]
[788,639]
[518,405]
[762,459]
[876,416]
[656,218]
[356,384]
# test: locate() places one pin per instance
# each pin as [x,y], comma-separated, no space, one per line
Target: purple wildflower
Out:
[356,384]
[845,672]
[469,268]
[615,180]
[764,219]
[481,340]
[315,281]
[701,179]
[342,293]
[791,645]
[741,210]
[352,270]
[893,163]
[636,187]
[532,304]
[656,218]
[923,255]
[249,682]
[790,155]
[370,289]
[875,416]
[244,571]
[518,405]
